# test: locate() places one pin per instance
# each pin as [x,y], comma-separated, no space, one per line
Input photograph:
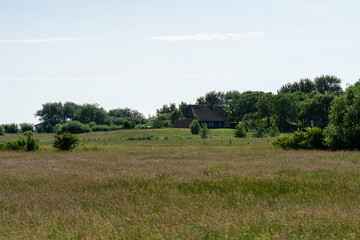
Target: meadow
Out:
[169,184]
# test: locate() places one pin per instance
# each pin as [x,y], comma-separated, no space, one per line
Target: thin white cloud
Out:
[43,40]
[120,77]
[207,37]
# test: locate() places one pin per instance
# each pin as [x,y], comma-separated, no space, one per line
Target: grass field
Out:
[169,184]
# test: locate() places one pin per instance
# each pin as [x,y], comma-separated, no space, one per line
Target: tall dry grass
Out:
[178,189]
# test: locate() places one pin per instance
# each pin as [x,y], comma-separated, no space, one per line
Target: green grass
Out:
[177,186]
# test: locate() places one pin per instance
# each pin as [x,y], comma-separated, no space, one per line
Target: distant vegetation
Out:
[296,106]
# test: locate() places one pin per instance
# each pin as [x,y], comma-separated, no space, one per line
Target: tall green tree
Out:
[285,108]
[243,104]
[328,84]
[343,132]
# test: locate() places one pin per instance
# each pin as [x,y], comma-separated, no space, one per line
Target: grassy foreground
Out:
[172,185]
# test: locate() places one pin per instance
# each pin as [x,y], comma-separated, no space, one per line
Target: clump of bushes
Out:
[21,144]
[100,128]
[312,138]
[65,141]
[24,127]
[73,127]
[195,127]
[11,128]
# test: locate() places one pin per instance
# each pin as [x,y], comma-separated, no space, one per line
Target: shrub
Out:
[100,128]
[195,127]
[24,127]
[11,128]
[65,141]
[2,131]
[204,131]
[240,130]
[128,124]
[115,127]
[313,138]
[74,127]
[15,145]
[140,126]
[31,143]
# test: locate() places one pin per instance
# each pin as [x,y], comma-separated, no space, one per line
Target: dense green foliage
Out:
[195,127]
[65,141]
[313,138]
[21,144]
[73,127]
[11,128]
[24,127]
[31,143]
[240,130]
[343,131]
[2,130]
[53,114]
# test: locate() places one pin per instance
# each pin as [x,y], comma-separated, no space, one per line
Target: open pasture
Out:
[169,184]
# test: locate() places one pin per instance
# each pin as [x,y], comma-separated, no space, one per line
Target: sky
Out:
[142,54]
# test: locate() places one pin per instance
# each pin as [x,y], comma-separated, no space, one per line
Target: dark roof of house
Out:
[205,113]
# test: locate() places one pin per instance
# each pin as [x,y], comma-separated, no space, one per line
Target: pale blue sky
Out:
[145,53]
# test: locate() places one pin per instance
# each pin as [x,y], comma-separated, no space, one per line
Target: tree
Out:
[285,108]
[343,132]
[91,113]
[304,85]
[318,106]
[242,104]
[51,113]
[204,132]
[265,106]
[170,111]
[195,127]
[328,84]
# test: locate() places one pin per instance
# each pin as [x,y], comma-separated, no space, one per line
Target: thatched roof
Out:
[205,113]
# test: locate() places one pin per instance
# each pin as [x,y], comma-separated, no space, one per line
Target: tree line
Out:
[293,106]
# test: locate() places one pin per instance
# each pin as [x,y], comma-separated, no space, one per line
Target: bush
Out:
[2,131]
[313,138]
[31,143]
[16,145]
[240,130]
[128,124]
[28,144]
[140,126]
[65,141]
[115,127]
[24,127]
[195,127]
[100,128]
[11,128]
[204,131]
[74,127]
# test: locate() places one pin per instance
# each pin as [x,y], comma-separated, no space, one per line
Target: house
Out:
[213,116]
